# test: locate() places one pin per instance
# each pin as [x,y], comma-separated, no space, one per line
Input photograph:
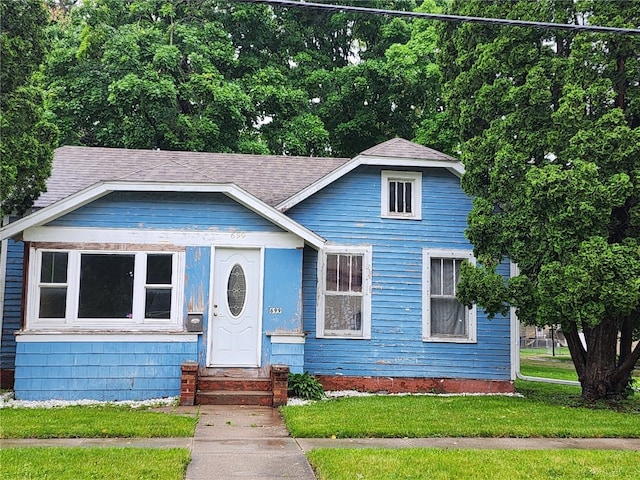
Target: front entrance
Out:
[234,334]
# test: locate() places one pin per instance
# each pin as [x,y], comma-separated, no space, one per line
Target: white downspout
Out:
[515,348]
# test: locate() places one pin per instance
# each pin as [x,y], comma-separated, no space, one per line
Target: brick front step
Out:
[207,384]
[203,386]
[220,397]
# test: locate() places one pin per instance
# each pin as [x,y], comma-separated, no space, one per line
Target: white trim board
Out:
[514,271]
[4,246]
[192,238]
[292,338]
[50,337]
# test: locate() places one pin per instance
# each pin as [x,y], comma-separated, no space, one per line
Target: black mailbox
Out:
[194,322]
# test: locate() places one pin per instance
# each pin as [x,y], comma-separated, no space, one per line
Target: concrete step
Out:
[234,397]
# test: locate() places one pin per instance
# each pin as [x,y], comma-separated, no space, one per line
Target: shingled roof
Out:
[268,177]
[271,178]
[401,148]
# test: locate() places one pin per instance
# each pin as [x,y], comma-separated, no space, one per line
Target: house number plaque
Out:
[275,310]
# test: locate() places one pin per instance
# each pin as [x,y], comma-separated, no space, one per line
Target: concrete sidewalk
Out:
[307,444]
[247,442]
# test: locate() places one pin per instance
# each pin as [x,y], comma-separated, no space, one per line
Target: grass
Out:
[370,464]
[427,416]
[545,410]
[93,463]
[92,422]
[536,363]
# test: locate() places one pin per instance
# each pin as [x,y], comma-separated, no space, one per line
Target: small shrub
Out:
[305,386]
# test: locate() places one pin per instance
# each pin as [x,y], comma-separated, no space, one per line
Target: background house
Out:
[135,263]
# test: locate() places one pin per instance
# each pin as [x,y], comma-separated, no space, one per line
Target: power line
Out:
[448,18]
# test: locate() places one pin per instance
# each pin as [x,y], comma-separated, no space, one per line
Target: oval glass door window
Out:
[236,290]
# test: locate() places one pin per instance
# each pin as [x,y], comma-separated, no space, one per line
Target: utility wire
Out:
[448,18]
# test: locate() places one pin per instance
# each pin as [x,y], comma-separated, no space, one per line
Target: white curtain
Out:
[448,316]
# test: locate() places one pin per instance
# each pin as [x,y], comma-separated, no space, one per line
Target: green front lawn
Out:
[93,463]
[539,364]
[93,422]
[459,416]
[385,464]
[544,410]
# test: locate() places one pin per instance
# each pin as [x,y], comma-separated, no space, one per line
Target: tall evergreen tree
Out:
[550,125]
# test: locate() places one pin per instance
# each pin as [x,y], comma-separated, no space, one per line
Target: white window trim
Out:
[427,255]
[416,179]
[136,323]
[366,252]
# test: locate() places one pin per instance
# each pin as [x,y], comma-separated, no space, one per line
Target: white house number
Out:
[275,310]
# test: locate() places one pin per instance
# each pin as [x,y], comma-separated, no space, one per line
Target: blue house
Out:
[144,274]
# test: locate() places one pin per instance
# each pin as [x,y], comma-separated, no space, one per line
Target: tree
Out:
[231,76]
[147,74]
[27,137]
[550,130]
[395,93]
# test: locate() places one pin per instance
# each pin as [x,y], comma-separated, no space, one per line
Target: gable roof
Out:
[401,148]
[270,178]
[396,152]
[94,192]
[267,184]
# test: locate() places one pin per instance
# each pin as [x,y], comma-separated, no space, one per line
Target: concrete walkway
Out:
[245,442]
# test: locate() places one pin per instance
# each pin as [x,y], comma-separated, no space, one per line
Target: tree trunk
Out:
[600,374]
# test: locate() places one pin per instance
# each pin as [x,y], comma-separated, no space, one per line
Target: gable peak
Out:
[401,148]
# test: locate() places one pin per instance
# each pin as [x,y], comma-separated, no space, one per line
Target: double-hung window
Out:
[401,195]
[344,292]
[104,289]
[445,319]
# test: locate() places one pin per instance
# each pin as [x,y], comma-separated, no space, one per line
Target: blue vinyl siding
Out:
[291,354]
[137,370]
[106,371]
[197,286]
[12,308]
[283,294]
[164,210]
[344,214]
[282,289]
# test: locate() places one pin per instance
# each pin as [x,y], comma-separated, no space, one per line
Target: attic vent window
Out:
[401,195]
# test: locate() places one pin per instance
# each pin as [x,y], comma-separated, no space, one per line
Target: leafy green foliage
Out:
[28,136]
[238,77]
[550,130]
[305,386]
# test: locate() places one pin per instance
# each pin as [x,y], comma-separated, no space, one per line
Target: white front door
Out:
[234,334]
